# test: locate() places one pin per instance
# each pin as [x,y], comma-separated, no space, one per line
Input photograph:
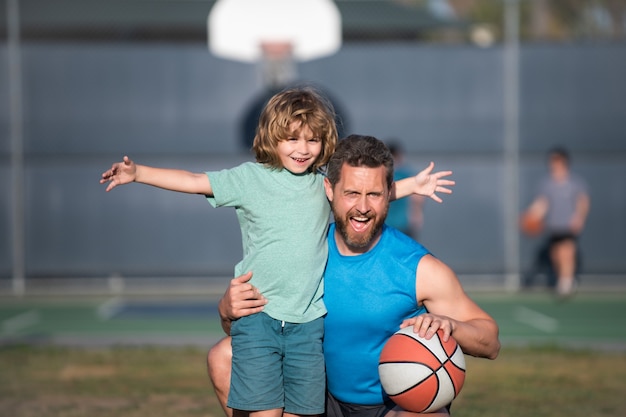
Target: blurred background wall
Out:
[102,79]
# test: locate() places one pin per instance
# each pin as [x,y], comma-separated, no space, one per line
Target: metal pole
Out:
[17,148]
[511,143]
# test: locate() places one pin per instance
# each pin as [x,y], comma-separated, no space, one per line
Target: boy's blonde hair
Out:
[304,105]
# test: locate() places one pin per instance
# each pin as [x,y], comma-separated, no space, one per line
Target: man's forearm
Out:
[478,337]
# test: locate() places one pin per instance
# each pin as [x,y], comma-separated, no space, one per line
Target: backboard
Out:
[244,30]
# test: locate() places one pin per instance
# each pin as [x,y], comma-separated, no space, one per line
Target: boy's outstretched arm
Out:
[127,171]
[426,183]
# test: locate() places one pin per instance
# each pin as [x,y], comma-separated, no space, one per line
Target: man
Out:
[377,280]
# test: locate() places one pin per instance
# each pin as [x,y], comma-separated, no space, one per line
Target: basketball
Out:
[421,375]
[530,224]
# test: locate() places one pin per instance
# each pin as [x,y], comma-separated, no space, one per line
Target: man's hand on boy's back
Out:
[240,299]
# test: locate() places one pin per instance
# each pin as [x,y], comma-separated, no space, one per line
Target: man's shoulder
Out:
[404,239]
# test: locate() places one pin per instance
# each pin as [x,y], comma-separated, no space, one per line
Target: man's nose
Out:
[362,204]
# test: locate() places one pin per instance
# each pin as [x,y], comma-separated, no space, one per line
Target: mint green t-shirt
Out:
[284,221]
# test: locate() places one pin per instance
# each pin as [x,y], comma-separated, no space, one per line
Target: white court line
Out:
[20,322]
[109,308]
[536,319]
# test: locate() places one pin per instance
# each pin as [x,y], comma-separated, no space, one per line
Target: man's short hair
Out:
[357,151]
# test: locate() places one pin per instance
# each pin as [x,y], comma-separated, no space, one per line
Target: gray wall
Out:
[86,105]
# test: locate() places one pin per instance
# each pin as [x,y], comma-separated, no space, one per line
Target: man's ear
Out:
[329,189]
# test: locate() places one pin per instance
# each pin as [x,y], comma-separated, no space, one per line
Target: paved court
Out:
[108,321]
[594,320]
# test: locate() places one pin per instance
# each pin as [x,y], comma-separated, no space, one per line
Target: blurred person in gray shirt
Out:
[562,203]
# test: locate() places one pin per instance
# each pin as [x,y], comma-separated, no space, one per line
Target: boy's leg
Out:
[301,415]
[219,360]
[256,380]
[304,369]
[218,367]
[278,412]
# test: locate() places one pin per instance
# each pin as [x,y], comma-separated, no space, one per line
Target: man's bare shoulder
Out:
[434,279]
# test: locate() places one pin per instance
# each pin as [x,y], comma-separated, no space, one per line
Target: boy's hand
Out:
[119,174]
[427,183]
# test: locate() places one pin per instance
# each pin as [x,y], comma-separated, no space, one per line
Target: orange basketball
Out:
[421,375]
[530,224]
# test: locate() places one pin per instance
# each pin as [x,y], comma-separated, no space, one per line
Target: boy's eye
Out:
[314,140]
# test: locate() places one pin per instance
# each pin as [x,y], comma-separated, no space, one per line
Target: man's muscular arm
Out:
[452,310]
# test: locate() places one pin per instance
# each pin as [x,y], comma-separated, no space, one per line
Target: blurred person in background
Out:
[562,204]
[404,214]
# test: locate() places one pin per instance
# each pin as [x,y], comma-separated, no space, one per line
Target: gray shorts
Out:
[336,408]
[277,365]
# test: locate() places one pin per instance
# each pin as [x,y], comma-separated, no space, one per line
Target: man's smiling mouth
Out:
[360,223]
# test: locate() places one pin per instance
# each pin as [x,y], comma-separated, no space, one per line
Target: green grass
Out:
[43,381]
[545,381]
[130,382]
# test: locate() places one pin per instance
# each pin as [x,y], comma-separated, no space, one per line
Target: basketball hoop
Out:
[278,66]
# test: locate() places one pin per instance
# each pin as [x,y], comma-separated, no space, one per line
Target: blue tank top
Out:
[367,297]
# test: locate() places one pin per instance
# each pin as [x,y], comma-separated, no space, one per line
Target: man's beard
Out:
[356,240]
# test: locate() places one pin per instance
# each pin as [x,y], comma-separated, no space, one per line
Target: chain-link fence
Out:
[430,21]
[84,80]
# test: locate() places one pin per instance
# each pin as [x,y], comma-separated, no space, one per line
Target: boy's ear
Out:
[329,189]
